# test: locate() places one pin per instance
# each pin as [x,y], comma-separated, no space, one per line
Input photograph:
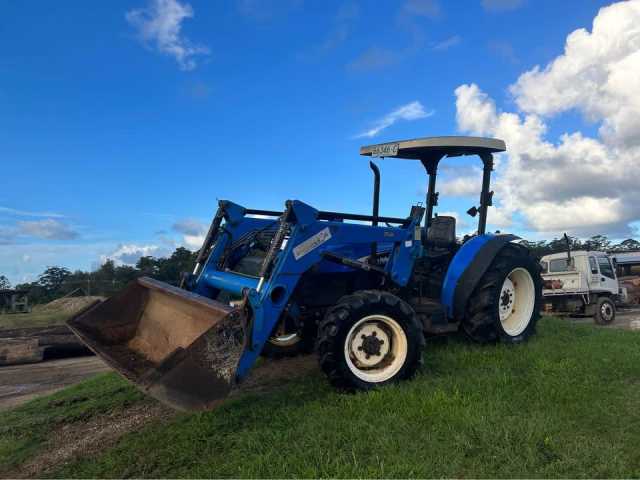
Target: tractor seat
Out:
[441,235]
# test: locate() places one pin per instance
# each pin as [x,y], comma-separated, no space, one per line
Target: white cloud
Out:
[462,186]
[193,232]
[598,75]
[411,111]
[190,226]
[193,242]
[24,261]
[129,254]
[577,183]
[159,25]
[25,213]
[447,43]
[49,229]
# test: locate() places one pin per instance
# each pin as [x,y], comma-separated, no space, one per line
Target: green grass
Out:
[567,404]
[25,429]
[33,319]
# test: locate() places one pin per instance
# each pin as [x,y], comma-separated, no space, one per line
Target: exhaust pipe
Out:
[179,347]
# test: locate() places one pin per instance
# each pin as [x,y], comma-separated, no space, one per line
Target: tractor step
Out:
[432,316]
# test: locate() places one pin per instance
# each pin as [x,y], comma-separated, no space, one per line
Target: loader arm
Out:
[189,347]
[308,239]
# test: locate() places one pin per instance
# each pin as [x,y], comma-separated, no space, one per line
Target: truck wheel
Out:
[505,306]
[369,339]
[605,311]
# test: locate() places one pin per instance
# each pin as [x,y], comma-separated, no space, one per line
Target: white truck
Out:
[580,283]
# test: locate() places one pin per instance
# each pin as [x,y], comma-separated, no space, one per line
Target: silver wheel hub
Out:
[606,311]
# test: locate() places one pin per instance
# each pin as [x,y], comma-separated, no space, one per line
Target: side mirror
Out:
[473,211]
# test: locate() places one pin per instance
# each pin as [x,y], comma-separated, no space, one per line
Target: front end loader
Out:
[363,290]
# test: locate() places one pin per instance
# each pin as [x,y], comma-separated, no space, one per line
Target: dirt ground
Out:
[20,383]
[624,317]
[89,438]
[68,304]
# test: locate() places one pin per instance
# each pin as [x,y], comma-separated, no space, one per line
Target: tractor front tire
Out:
[369,339]
[505,305]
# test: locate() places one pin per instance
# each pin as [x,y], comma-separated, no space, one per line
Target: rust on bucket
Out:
[179,347]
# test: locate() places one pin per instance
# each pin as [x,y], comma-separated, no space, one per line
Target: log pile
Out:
[29,345]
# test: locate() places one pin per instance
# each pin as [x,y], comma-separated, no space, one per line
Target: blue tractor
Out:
[363,290]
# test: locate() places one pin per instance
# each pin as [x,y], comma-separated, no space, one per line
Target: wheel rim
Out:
[516,302]
[375,348]
[284,340]
[286,333]
[606,311]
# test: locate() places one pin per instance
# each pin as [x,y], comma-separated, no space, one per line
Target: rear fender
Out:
[467,268]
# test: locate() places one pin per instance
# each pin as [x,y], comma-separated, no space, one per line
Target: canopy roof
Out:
[429,147]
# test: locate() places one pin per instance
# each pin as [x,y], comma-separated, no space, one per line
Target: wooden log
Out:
[57,338]
[14,351]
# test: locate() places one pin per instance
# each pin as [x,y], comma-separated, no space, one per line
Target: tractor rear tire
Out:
[605,311]
[505,305]
[369,339]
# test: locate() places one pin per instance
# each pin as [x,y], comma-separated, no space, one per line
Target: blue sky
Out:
[123,122]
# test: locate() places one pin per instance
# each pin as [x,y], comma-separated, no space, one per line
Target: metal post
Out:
[485,194]
[376,208]
[431,166]
[431,198]
[376,193]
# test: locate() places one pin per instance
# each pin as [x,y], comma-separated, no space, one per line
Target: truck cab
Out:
[580,282]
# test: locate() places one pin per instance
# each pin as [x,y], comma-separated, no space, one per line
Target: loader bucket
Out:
[181,348]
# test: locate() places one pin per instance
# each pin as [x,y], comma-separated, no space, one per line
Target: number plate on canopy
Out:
[386,150]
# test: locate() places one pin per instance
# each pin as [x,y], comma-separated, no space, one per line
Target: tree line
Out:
[56,282]
[597,243]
